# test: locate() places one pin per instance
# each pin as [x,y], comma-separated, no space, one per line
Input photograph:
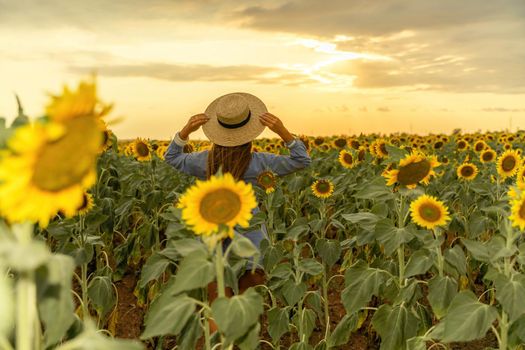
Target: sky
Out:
[324,67]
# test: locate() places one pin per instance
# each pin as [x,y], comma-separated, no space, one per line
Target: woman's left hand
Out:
[276,125]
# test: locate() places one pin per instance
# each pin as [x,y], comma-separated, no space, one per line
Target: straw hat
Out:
[234,119]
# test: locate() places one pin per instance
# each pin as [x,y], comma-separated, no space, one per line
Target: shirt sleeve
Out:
[283,165]
[190,163]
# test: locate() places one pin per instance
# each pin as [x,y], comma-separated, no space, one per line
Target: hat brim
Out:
[222,136]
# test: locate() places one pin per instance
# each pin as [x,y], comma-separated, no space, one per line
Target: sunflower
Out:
[322,188]
[462,145]
[480,146]
[520,176]
[413,169]
[47,168]
[267,180]
[141,149]
[508,163]
[355,144]
[487,156]
[340,142]
[73,104]
[87,204]
[379,148]
[220,201]
[346,159]
[467,171]
[518,212]
[161,150]
[429,212]
[318,141]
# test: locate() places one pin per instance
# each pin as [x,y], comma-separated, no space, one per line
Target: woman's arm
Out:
[282,165]
[189,163]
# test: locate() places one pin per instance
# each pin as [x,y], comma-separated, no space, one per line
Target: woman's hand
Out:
[194,123]
[276,125]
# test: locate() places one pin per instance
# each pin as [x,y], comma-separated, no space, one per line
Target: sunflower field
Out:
[391,242]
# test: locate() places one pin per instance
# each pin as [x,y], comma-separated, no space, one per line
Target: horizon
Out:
[349,67]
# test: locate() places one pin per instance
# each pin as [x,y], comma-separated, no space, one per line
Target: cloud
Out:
[364,17]
[383,109]
[198,72]
[503,109]
[460,46]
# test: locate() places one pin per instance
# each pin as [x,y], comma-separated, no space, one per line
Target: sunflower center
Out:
[323,187]
[220,206]
[84,202]
[412,173]
[508,163]
[467,171]
[347,157]
[429,212]
[382,147]
[66,162]
[487,156]
[340,143]
[522,211]
[142,149]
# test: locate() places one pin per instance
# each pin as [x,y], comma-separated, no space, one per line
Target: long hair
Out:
[234,160]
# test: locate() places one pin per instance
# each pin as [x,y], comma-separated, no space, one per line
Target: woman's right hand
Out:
[194,123]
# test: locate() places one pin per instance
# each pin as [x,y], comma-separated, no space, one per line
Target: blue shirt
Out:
[196,163]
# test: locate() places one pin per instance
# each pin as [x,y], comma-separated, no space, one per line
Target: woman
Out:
[231,122]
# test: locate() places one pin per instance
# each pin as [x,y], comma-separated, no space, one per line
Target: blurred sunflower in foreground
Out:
[48,164]
[220,202]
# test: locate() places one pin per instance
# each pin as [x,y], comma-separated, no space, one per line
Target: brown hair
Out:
[234,160]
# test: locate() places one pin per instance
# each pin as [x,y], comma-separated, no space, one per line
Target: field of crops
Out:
[384,242]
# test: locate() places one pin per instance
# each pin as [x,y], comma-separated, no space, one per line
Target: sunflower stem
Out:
[219,269]
[26,308]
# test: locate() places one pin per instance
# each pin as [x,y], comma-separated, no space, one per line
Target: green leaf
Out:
[391,236]
[305,321]
[466,320]
[365,220]
[243,247]
[310,266]
[328,250]
[293,292]
[236,315]
[251,340]
[395,325]
[511,294]
[190,334]
[478,250]
[418,263]
[455,257]
[417,343]
[55,303]
[195,271]
[395,154]
[375,189]
[7,305]
[102,294]
[361,283]
[92,339]
[345,327]
[24,257]
[278,322]
[168,314]
[188,246]
[153,268]
[441,291]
